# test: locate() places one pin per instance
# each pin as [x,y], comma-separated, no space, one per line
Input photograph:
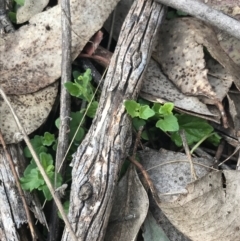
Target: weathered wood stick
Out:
[97,162]
[207,14]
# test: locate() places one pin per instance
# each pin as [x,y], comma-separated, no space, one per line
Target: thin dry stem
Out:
[29,218]
[187,151]
[39,165]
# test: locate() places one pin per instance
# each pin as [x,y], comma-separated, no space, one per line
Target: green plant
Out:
[32,179]
[45,146]
[166,120]
[196,129]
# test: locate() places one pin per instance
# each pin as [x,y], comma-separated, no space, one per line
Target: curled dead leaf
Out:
[210,209]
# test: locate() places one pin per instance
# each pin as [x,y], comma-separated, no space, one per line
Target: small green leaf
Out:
[156,107]
[57,122]
[76,74]
[37,143]
[12,17]
[29,168]
[132,108]
[20,2]
[194,127]
[44,188]
[32,180]
[137,123]
[168,123]
[46,160]
[91,112]
[146,112]
[48,139]
[73,89]
[143,101]
[74,123]
[144,135]
[166,109]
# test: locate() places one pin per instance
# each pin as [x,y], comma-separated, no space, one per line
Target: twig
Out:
[235,151]
[9,158]
[207,14]
[99,84]
[187,151]
[65,110]
[137,141]
[41,169]
[181,161]
[148,179]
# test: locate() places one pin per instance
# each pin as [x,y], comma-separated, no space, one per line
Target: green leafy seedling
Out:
[195,129]
[37,143]
[32,178]
[81,87]
[135,109]
[168,123]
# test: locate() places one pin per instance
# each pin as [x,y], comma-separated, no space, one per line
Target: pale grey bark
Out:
[12,213]
[207,14]
[98,160]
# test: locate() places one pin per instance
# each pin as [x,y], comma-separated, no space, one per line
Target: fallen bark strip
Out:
[97,162]
[207,14]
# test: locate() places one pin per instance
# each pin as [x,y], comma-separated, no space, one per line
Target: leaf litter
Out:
[194,68]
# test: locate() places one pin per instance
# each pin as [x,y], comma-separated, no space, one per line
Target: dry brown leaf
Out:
[170,171]
[129,210]
[210,209]
[230,44]
[179,50]
[172,233]
[158,88]
[234,110]
[219,79]
[32,110]
[182,58]
[34,60]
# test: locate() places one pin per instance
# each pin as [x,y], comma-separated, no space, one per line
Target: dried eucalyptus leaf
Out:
[182,58]
[211,204]
[230,45]
[219,79]
[129,210]
[210,210]
[158,88]
[32,110]
[31,57]
[170,171]
[234,110]
[172,233]
[29,9]
[179,50]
